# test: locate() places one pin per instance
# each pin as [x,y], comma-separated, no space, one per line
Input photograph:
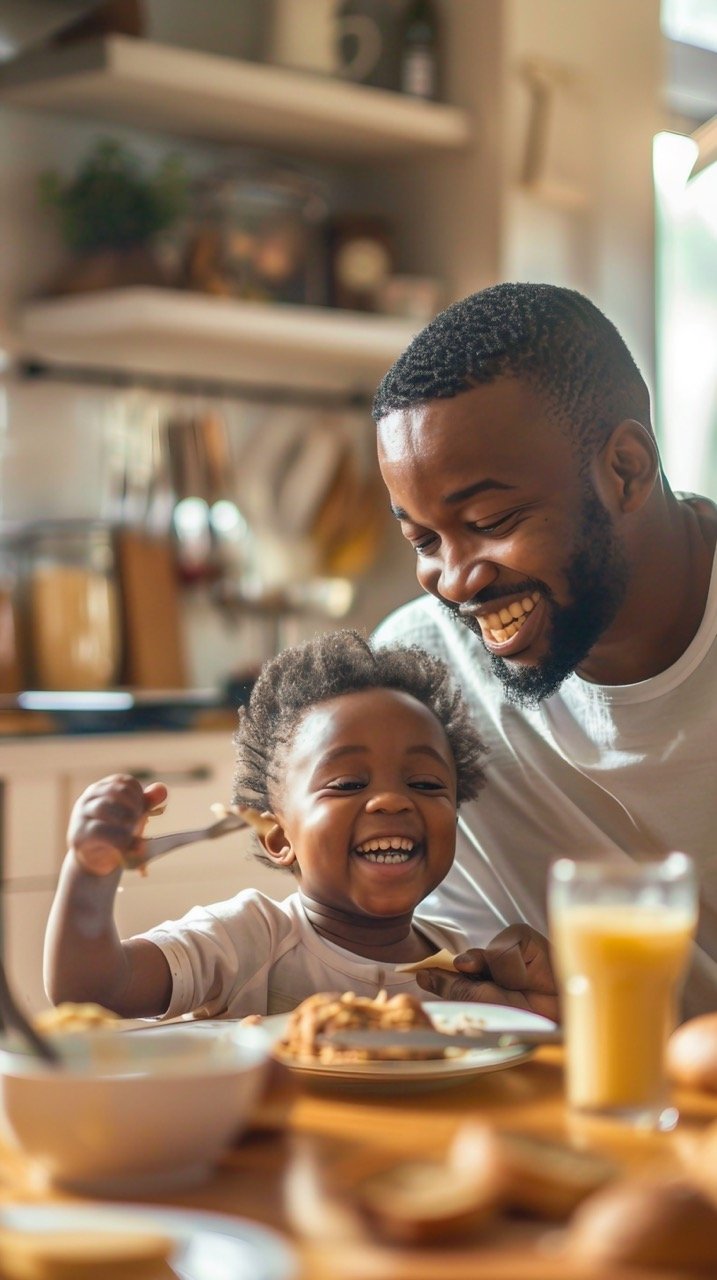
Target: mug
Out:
[341,39]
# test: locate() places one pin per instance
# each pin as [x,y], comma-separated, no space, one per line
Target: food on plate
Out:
[419,1201]
[73,1255]
[667,1224]
[328,1011]
[534,1175]
[692,1053]
[441,960]
[74,1017]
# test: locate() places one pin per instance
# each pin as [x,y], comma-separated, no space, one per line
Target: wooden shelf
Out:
[168,332]
[199,95]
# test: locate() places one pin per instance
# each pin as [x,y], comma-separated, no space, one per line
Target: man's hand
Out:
[106,824]
[514,969]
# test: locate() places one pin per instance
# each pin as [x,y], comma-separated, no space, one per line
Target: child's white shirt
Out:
[252,954]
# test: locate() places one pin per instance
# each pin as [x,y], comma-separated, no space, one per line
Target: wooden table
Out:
[529,1097]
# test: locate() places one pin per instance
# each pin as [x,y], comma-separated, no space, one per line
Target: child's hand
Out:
[107,822]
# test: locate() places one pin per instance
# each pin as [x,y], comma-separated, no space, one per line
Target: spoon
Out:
[12,1016]
[155,846]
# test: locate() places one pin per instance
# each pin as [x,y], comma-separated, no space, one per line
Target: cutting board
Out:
[154,650]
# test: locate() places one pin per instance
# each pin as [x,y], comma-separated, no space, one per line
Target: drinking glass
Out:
[621,934]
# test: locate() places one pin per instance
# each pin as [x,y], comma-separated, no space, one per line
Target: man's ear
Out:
[277,845]
[627,467]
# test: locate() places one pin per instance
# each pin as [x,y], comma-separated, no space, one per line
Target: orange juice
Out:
[620,967]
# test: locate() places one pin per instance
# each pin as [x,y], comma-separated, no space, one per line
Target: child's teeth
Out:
[385,842]
[387,857]
[386,849]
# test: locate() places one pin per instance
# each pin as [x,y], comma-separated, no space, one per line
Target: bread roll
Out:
[692,1053]
[701,1161]
[420,1201]
[533,1175]
[84,1255]
[441,960]
[649,1224]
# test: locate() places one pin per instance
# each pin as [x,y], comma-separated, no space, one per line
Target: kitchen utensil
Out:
[427,1039]
[155,846]
[154,657]
[12,1017]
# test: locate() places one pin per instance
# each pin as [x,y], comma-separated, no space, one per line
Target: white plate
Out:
[430,1074]
[210,1246]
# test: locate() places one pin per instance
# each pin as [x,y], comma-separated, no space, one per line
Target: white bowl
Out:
[133,1112]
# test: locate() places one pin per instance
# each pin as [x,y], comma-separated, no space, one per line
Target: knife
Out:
[425,1038]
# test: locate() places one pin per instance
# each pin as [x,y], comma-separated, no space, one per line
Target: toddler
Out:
[360,757]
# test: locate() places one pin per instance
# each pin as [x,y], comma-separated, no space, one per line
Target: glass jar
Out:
[11,674]
[258,234]
[71,605]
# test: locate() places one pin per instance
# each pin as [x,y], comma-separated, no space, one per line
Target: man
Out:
[572,594]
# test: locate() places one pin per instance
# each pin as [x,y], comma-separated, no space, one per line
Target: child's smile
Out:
[388,850]
[367,807]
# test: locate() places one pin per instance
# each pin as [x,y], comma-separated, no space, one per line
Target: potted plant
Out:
[111,214]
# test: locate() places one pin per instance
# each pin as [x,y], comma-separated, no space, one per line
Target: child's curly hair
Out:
[342,662]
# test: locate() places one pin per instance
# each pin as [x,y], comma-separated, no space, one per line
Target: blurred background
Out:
[220,223]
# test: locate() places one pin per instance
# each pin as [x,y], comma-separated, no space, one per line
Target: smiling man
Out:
[570,591]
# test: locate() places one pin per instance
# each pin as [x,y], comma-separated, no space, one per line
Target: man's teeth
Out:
[386,849]
[500,626]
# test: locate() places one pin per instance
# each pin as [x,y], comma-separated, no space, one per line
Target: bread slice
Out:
[535,1175]
[441,960]
[74,1255]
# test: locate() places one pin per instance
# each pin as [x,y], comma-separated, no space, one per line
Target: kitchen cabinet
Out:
[41,781]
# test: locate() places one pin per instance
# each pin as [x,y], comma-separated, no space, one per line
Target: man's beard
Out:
[597,575]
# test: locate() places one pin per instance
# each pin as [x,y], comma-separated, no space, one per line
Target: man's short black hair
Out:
[552,338]
[342,662]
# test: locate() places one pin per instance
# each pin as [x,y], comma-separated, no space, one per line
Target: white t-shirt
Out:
[614,771]
[251,954]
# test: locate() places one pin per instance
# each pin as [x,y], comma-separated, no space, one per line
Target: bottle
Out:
[419,50]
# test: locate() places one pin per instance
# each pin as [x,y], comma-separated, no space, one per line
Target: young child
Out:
[361,758]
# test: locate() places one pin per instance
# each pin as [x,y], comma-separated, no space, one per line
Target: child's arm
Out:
[85,959]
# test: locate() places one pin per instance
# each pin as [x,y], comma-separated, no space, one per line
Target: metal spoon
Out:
[12,1016]
[155,846]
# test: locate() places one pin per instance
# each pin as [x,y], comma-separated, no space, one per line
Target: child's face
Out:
[368,804]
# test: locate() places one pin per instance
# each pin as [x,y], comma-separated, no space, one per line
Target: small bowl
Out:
[132,1112]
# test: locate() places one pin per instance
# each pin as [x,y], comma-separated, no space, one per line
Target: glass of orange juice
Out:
[621,935]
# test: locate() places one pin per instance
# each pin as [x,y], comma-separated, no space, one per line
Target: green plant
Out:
[111,203]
